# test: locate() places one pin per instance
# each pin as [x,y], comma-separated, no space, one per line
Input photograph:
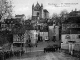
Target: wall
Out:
[73,37]
[44,35]
[57,32]
[35,13]
[70,37]
[46,15]
[3,39]
[26,36]
[77,47]
[34,36]
[16,39]
[51,32]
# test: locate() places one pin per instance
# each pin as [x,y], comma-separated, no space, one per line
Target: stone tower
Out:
[37,11]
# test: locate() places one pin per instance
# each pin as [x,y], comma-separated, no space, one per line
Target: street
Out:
[36,53]
[45,56]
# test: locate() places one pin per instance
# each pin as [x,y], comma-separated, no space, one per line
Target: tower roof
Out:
[45,10]
[37,7]
[33,5]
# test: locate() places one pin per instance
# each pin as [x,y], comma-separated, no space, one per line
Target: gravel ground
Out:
[45,56]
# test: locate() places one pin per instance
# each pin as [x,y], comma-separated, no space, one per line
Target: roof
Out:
[43,21]
[27,21]
[37,7]
[29,27]
[45,29]
[50,23]
[19,30]
[19,15]
[45,10]
[74,13]
[12,20]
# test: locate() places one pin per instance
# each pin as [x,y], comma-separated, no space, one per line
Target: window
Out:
[37,13]
[67,37]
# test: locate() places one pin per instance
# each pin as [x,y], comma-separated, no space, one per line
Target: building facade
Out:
[71,33]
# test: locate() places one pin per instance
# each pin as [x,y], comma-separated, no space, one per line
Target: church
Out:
[38,12]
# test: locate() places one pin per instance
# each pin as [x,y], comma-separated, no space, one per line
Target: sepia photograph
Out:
[39,30]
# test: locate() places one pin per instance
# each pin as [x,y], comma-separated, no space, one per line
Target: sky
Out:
[53,6]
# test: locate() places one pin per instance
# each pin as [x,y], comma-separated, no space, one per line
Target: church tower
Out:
[32,9]
[37,11]
[41,10]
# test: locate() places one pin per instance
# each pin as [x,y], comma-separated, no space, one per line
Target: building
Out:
[38,12]
[20,18]
[43,34]
[71,32]
[34,36]
[74,13]
[57,33]
[7,24]
[54,32]
[51,32]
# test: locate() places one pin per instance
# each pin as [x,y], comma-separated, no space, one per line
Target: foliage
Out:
[64,15]
[5,9]
[63,12]
[55,15]
[59,18]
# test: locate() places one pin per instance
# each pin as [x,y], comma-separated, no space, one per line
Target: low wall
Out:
[66,46]
[77,46]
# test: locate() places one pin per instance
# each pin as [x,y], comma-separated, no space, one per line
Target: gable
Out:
[37,7]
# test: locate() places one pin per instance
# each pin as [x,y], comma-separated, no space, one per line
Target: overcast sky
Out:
[53,6]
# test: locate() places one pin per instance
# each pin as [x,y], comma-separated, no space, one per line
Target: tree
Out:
[55,15]
[63,15]
[5,9]
[63,12]
[5,13]
[56,18]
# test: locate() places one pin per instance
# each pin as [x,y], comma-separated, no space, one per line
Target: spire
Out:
[72,10]
[75,9]
[41,5]
[33,5]
[37,2]
[37,5]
